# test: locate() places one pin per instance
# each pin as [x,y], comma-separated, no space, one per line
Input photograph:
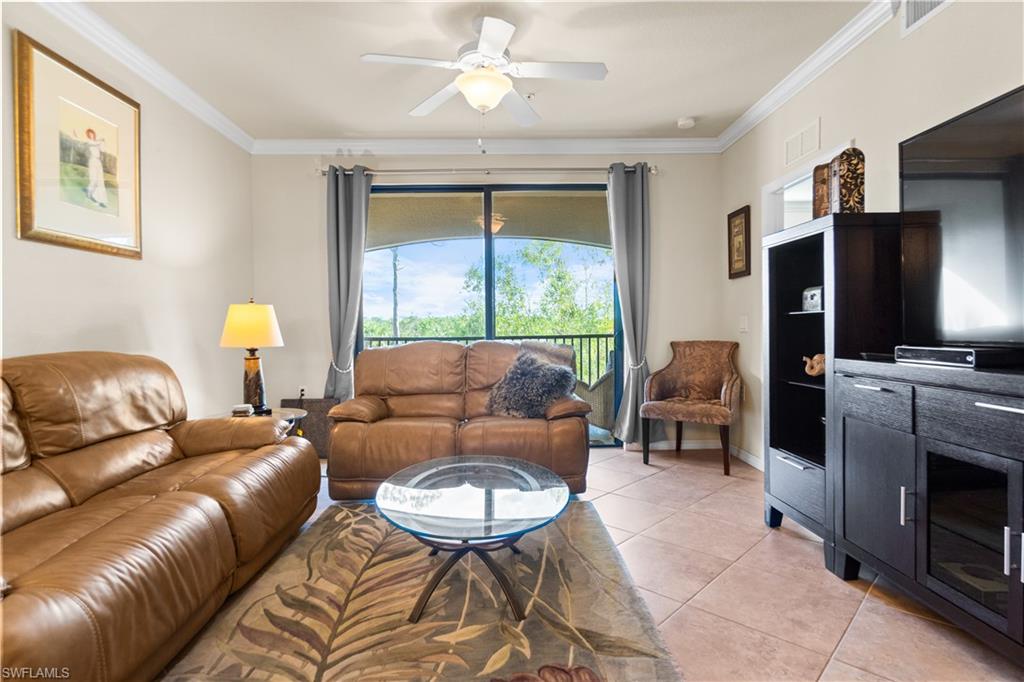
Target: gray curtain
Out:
[348,202]
[629,215]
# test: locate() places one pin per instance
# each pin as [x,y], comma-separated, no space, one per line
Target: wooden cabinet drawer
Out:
[886,403]
[797,483]
[984,422]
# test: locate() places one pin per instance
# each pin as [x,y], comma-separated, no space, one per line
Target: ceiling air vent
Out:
[916,12]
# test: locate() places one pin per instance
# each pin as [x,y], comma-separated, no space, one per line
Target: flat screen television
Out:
[962,208]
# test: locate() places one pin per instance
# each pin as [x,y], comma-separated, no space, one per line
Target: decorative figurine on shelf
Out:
[815,366]
[811,300]
[846,182]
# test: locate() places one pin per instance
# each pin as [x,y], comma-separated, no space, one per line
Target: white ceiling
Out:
[292,70]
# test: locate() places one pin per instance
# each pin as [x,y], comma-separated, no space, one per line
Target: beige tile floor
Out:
[735,600]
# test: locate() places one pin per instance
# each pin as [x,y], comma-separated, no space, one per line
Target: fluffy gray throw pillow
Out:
[529,387]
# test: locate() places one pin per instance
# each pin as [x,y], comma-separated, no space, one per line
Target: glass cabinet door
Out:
[969,543]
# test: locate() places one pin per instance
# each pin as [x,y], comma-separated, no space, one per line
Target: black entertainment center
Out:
[914,468]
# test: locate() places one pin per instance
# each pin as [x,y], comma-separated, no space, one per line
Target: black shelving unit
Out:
[854,258]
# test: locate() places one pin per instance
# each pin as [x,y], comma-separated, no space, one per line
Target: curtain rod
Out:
[487,171]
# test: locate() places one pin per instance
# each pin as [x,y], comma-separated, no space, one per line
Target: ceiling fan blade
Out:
[434,101]
[520,109]
[495,35]
[412,61]
[584,71]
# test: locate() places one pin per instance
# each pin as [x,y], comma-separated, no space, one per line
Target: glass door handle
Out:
[1001,408]
[903,505]
[1006,550]
[787,460]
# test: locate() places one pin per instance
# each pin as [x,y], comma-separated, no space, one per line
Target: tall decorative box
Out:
[846,189]
[821,180]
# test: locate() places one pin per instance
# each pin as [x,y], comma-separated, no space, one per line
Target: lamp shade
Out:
[483,87]
[251,325]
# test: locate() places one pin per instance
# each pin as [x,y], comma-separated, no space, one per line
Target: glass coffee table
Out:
[471,505]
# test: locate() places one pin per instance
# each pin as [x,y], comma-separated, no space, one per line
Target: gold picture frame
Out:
[76,189]
[738,236]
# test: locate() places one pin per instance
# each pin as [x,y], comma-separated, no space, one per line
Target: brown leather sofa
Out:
[428,399]
[125,526]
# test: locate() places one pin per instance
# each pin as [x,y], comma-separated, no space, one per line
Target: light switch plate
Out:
[744,324]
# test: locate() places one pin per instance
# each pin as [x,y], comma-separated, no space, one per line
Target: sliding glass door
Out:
[497,262]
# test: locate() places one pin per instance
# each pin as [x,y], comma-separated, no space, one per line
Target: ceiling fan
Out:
[486,67]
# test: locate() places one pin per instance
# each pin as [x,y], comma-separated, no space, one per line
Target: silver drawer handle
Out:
[869,388]
[1006,550]
[795,465]
[1001,408]
[903,505]
[1021,571]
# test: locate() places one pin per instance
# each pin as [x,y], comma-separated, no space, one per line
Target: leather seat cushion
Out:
[167,478]
[687,410]
[102,605]
[259,490]
[374,451]
[35,543]
[560,445]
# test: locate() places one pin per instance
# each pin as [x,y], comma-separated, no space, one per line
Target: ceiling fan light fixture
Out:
[483,87]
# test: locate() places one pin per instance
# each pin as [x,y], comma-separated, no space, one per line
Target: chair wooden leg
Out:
[645,437]
[723,432]
[679,436]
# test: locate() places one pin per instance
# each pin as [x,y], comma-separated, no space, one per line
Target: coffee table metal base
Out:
[459,550]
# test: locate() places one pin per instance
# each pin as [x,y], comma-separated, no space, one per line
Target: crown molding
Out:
[104,36]
[87,23]
[494,146]
[867,21]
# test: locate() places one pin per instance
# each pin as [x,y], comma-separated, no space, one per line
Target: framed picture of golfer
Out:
[77,142]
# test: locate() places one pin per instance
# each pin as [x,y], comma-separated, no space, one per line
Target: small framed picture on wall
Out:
[738,230]
[77,151]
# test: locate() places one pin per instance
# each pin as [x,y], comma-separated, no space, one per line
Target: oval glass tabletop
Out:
[472,498]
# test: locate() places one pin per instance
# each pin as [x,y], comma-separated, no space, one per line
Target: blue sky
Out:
[431,275]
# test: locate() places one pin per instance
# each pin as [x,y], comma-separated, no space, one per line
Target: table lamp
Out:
[252,326]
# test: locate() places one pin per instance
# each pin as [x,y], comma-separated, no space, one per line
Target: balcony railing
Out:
[594,352]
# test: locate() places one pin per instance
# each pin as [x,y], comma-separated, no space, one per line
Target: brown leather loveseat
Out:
[428,399]
[125,526]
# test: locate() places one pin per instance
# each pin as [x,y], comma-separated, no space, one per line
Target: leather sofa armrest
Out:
[568,407]
[203,436]
[364,408]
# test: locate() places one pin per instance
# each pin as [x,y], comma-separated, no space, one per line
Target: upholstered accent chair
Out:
[700,385]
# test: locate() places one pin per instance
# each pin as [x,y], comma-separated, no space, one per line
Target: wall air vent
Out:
[916,12]
[802,143]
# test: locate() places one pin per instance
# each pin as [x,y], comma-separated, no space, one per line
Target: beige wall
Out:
[201,195]
[291,270]
[195,235]
[884,91]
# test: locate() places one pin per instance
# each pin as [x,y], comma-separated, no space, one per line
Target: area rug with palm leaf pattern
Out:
[335,605]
